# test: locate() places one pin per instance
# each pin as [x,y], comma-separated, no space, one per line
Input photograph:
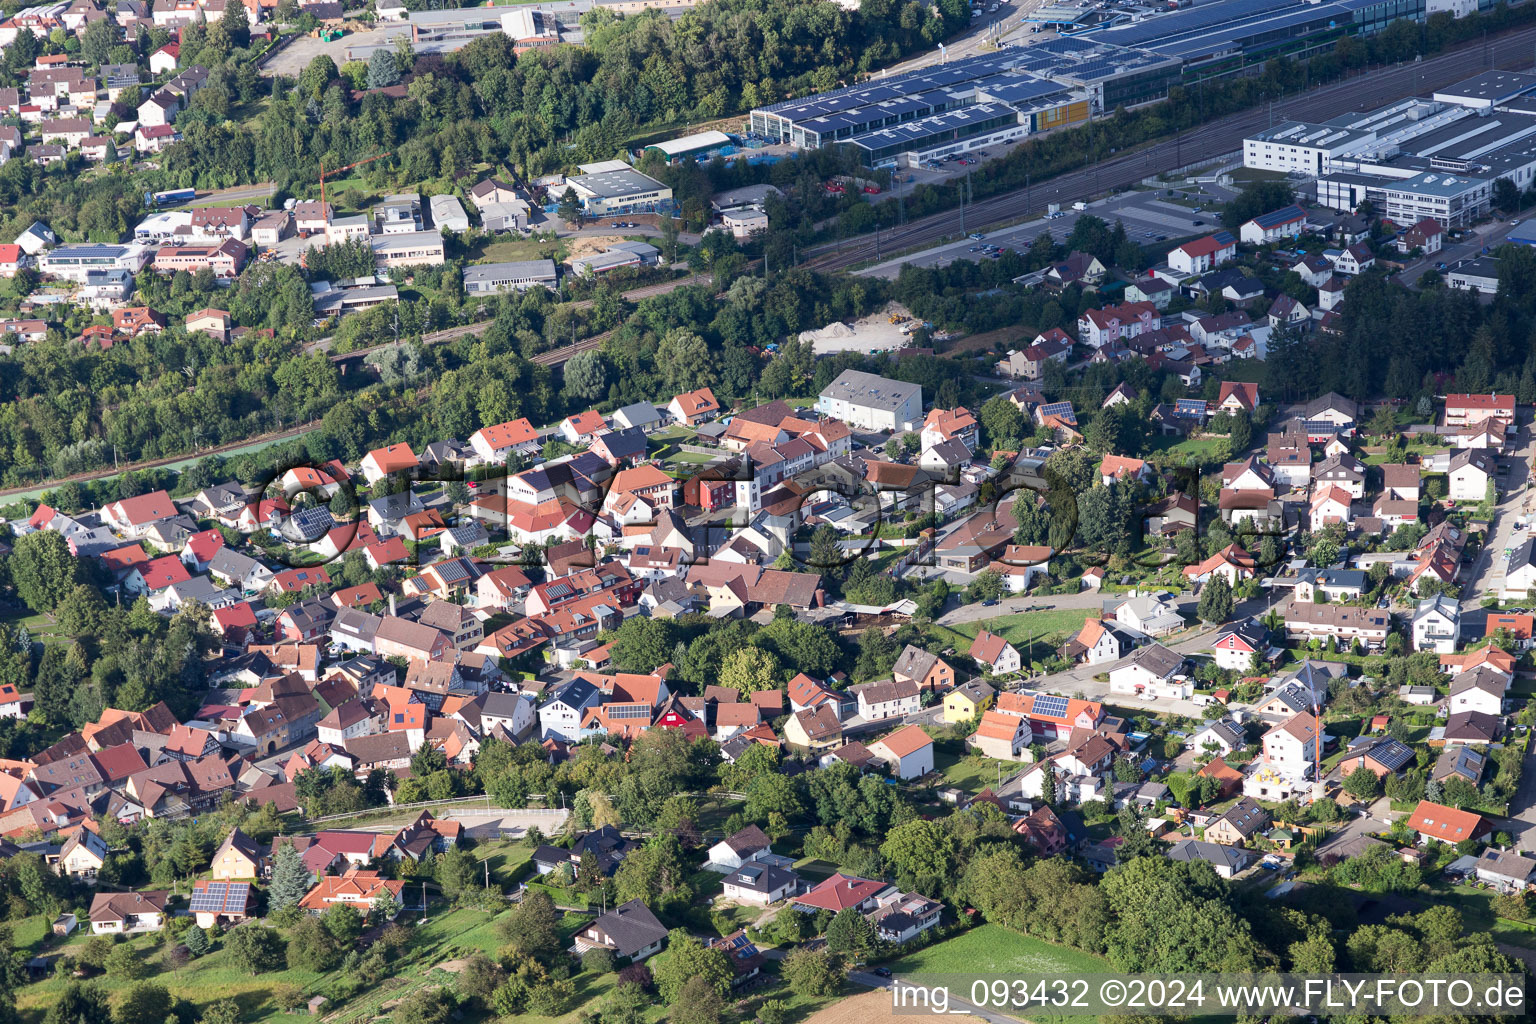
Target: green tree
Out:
[1362,783]
[78,1004]
[685,958]
[221,1011]
[311,946]
[320,72]
[290,879]
[1215,600]
[42,570]
[125,963]
[144,1003]
[196,941]
[813,974]
[570,207]
[1175,915]
[1002,422]
[456,871]
[382,71]
[749,670]
[255,948]
[986,586]
[532,928]
[850,934]
[343,922]
[585,378]
[699,1003]
[427,1005]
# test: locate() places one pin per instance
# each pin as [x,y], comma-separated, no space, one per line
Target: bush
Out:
[597,961]
[636,974]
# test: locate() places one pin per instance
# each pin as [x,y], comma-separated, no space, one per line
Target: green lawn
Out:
[1024,628]
[993,949]
[1198,446]
[1476,906]
[446,935]
[973,773]
[813,870]
[508,249]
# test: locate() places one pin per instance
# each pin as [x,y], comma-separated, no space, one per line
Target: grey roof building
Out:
[629,929]
[485,278]
[447,214]
[1227,860]
[871,402]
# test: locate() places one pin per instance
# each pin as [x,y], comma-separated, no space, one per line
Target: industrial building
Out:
[408,249]
[1220,38]
[907,118]
[613,187]
[488,278]
[75,262]
[1415,158]
[698,146]
[619,254]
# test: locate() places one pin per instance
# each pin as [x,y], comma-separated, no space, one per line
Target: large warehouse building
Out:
[1220,38]
[966,104]
[1416,158]
[1102,64]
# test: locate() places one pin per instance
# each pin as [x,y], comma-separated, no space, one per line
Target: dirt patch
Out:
[1000,340]
[452,966]
[873,333]
[872,1008]
[589,245]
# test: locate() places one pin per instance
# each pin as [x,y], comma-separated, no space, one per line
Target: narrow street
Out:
[1486,576]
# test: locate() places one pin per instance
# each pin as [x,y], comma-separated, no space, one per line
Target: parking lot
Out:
[1150,218]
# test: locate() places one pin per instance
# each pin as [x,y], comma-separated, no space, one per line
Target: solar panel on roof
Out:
[220,897]
[1051,705]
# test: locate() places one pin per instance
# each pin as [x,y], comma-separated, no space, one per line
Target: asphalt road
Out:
[1522,821]
[1489,235]
[1367,89]
[1487,573]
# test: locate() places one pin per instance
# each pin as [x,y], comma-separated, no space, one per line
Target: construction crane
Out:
[324,174]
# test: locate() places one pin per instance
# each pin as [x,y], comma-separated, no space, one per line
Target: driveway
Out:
[1376,819]
[1521,823]
[1487,574]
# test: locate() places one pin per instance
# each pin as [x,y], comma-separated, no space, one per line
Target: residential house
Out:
[908,751]
[760,884]
[629,930]
[1446,824]
[967,700]
[1202,254]
[1002,736]
[994,654]
[1238,824]
[1346,625]
[1150,672]
[1437,625]
[127,913]
[739,848]
[928,671]
[1236,643]
[888,698]
[1471,472]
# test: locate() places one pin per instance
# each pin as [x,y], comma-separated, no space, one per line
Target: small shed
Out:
[64,924]
[316,1004]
